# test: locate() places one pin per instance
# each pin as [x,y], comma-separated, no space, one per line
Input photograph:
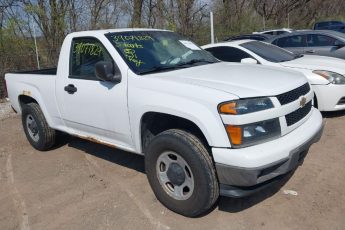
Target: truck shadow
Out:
[333,114]
[137,163]
[234,205]
[116,156]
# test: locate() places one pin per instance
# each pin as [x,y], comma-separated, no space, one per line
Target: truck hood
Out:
[241,80]
[314,62]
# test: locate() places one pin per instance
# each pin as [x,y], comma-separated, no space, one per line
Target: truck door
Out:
[91,107]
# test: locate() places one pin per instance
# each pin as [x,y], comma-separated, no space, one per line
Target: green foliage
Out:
[12,43]
[16,53]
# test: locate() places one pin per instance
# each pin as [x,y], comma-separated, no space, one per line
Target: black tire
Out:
[315,103]
[206,188]
[46,135]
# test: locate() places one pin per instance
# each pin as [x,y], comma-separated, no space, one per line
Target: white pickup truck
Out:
[206,128]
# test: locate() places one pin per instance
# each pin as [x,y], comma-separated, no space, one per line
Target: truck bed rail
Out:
[50,71]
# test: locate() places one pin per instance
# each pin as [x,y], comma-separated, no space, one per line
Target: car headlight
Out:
[334,78]
[245,106]
[250,134]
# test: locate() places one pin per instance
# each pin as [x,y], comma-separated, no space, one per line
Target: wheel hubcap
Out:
[32,128]
[175,175]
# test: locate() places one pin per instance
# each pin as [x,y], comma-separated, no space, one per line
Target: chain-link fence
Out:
[20,62]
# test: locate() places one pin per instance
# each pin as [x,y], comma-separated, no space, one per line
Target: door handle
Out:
[71,89]
[310,51]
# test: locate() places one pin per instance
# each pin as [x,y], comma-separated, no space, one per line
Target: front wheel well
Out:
[316,105]
[154,123]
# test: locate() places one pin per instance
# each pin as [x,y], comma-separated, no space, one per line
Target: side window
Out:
[85,53]
[336,23]
[228,54]
[322,25]
[238,38]
[314,40]
[258,38]
[275,42]
[280,32]
[291,41]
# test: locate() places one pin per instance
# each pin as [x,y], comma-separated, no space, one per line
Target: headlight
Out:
[251,134]
[245,106]
[334,78]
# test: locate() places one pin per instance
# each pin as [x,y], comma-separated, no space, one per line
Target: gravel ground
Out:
[5,110]
[83,185]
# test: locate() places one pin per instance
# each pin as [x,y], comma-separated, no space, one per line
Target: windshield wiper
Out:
[194,61]
[298,56]
[156,69]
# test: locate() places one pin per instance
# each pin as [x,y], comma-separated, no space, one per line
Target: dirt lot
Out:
[82,185]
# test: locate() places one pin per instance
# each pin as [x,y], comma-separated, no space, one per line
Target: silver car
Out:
[317,42]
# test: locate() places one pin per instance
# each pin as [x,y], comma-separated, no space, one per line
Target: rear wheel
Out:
[36,128]
[181,173]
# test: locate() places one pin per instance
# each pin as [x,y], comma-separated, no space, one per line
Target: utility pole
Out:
[288,15]
[212,27]
[36,49]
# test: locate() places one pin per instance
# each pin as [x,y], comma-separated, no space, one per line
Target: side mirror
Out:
[249,61]
[339,44]
[105,71]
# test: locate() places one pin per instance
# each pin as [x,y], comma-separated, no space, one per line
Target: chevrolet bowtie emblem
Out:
[302,102]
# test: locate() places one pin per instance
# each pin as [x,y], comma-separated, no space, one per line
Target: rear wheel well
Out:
[24,100]
[153,123]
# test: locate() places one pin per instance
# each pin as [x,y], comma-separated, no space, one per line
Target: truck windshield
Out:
[270,52]
[154,51]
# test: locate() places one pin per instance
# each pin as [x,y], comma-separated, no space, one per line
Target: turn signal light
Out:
[235,134]
[228,108]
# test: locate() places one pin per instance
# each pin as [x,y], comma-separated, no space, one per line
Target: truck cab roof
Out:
[106,31]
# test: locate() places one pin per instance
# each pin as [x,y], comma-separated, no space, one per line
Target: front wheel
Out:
[181,173]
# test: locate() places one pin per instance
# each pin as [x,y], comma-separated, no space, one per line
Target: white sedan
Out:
[325,74]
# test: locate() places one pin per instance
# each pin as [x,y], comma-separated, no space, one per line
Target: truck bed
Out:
[38,84]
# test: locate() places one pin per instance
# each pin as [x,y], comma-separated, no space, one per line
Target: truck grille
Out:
[293,95]
[297,115]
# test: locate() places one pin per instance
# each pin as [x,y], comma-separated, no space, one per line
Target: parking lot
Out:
[83,185]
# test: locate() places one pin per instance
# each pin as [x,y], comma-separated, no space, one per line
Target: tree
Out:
[277,9]
[137,11]
[190,16]
[50,17]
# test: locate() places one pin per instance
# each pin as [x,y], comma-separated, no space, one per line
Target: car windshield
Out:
[154,51]
[270,52]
